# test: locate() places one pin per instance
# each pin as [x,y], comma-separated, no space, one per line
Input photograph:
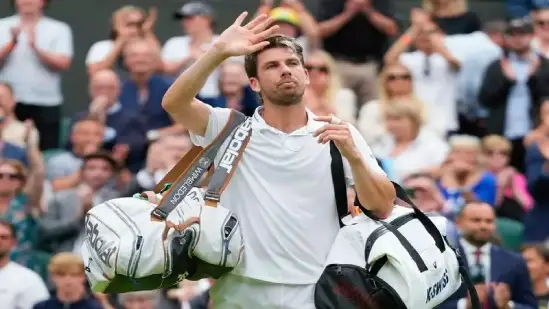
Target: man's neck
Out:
[285,118]
[4,261]
[204,36]
[141,79]
[235,96]
[30,18]
[540,287]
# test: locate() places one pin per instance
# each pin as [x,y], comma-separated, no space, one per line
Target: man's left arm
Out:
[521,294]
[59,56]
[379,13]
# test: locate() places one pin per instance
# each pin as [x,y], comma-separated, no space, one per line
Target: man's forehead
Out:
[276,55]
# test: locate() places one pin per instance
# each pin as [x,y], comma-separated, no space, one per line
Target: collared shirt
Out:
[282,193]
[519,101]
[470,254]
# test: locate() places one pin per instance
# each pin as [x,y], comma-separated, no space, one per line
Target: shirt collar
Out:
[470,249]
[114,109]
[311,126]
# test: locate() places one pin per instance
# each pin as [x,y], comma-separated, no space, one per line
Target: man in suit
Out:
[500,276]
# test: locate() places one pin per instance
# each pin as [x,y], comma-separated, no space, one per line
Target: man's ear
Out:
[307,80]
[254,84]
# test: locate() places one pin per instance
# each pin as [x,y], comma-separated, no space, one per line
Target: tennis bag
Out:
[132,244]
[373,265]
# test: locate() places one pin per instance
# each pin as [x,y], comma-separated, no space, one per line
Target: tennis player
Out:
[282,190]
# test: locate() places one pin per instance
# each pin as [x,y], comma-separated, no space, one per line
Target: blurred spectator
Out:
[500,276]
[13,130]
[295,21]
[434,70]
[20,287]
[537,173]
[522,8]
[197,19]
[463,177]
[343,24]
[62,225]
[193,294]
[86,137]
[395,85]
[67,273]
[540,43]
[537,261]
[7,149]
[324,94]
[513,199]
[512,89]
[235,91]
[541,132]
[36,49]
[140,300]
[452,16]
[128,22]
[408,148]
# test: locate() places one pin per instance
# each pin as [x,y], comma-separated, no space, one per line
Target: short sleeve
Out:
[367,155]
[175,49]
[34,293]
[63,42]
[216,122]
[99,51]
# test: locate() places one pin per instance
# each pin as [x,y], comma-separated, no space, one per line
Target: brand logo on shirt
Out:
[438,287]
[103,248]
[240,135]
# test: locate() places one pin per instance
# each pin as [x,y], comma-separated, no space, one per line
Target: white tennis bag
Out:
[132,244]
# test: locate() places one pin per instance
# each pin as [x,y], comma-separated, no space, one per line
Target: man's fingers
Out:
[262,26]
[265,34]
[241,19]
[338,127]
[332,135]
[256,21]
[258,46]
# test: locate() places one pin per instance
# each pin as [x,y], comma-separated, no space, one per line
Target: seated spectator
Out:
[67,273]
[61,226]
[9,150]
[540,43]
[13,130]
[140,300]
[86,137]
[395,84]
[523,8]
[128,22]
[192,294]
[541,132]
[537,172]
[408,148]
[463,177]
[324,94]
[452,16]
[235,90]
[21,288]
[537,261]
[513,199]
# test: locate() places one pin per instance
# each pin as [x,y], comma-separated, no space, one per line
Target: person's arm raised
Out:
[180,102]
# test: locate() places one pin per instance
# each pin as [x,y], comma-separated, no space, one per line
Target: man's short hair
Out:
[275,41]
[10,226]
[102,155]
[495,27]
[65,262]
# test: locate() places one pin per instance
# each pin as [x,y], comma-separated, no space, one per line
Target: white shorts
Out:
[237,292]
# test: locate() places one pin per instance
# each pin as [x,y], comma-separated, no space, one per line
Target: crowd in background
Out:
[455,109]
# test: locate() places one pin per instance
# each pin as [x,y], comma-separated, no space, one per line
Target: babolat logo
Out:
[433,291]
[103,248]
[240,135]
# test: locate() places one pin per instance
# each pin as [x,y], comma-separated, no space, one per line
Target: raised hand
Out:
[238,40]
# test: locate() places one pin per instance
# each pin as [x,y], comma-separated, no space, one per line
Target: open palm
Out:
[238,40]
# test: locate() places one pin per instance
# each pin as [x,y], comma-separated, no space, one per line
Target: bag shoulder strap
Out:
[340,186]
[188,172]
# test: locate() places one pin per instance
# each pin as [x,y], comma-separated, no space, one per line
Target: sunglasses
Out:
[321,68]
[10,176]
[5,237]
[542,22]
[392,77]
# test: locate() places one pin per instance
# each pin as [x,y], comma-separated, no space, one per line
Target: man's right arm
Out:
[180,102]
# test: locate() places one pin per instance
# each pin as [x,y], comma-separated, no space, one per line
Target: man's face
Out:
[7,101]
[195,24]
[29,6]
[477,222]
[105,84]
[139,302]
[287,29]
[518,41]
[7,241]
[97,172]
[232,78]
[87,133]
[69,280]
[139,58]
[541,24]
[281,79]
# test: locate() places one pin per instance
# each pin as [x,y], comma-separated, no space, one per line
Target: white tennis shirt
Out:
[283,195]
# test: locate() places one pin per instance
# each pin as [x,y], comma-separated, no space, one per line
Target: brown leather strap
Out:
[191,156]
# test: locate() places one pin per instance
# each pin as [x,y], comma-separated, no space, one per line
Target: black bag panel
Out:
[344,286]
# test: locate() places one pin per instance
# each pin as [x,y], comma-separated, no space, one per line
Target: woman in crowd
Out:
[325,94]
[128,22]
[408,148]
[537,261]
[463,177]
[452,16]
[541,132]
[395,84]
[513,199]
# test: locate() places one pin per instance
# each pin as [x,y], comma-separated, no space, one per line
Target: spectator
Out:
[61,226]
[197,19]
[67,273]
[235,90]
[9,150]
[325,94]
[128,22]
[408,148]
[523,8]
[140,300]
[21,288]
[395,85]
[434,70]
[537,172]
[513,199]
[36,50]
[501,277]
[540,43]
[463,177]
[512,89]
[343,24]
[13,130]
[537,261]
[541,132]
[452,16]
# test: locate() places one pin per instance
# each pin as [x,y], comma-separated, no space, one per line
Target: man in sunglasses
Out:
[541,31]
